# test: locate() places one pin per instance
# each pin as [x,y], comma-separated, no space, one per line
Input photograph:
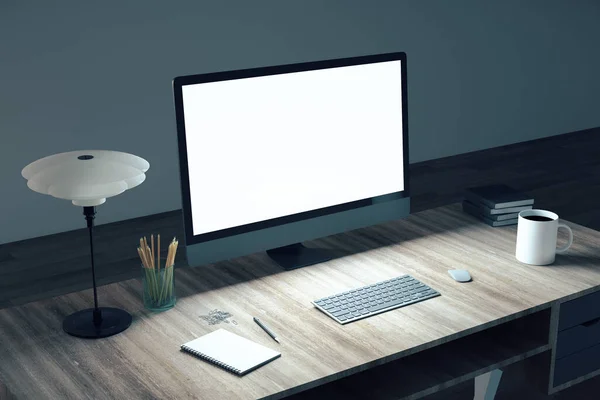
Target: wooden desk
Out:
[37,360]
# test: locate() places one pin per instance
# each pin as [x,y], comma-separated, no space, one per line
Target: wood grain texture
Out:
[57,264]
[430,371]
[37,360]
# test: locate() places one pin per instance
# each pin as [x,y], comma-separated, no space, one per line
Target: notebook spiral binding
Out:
[211,360]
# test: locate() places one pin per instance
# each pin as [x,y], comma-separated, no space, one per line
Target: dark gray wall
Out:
[77,75]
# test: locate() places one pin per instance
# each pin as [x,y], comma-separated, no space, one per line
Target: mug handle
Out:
[566,247]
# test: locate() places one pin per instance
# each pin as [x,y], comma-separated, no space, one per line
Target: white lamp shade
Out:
[86,177]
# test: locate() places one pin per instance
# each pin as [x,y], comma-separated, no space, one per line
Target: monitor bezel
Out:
[181,81]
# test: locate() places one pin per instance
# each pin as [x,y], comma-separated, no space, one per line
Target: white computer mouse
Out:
[460,275]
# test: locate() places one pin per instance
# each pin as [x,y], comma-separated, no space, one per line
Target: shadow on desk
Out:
[418,233]
[584,262]
[192,280]
[259,265]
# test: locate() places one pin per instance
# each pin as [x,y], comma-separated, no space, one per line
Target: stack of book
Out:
[496,205]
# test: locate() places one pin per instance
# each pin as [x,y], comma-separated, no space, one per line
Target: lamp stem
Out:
[90,214]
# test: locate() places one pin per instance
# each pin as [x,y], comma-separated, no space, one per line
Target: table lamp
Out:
[87,178]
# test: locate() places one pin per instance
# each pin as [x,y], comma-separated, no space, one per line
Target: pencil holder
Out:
[159,288]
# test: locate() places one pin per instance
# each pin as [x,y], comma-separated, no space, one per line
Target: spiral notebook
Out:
[230,351]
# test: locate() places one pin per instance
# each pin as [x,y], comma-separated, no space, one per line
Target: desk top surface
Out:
[37,360]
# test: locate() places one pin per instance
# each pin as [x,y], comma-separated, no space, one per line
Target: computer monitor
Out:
[271,157]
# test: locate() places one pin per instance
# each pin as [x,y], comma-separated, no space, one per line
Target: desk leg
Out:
[486,385]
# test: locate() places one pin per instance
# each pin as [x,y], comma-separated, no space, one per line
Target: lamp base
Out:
[81,323]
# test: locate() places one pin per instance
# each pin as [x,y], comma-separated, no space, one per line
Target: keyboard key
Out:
[361,302]
[340,313]
[384,305]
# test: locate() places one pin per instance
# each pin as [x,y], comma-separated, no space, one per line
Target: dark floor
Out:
[561,172]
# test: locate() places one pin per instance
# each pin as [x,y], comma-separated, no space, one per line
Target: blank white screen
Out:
[265,147]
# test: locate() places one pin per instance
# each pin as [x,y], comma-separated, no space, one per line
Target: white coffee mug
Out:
[536,237]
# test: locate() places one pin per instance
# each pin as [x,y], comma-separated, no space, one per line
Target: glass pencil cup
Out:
[158,288]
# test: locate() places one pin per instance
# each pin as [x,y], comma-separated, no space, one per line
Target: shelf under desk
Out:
[429,371]
[37,360]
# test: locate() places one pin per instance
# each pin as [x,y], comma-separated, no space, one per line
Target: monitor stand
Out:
[296,256]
